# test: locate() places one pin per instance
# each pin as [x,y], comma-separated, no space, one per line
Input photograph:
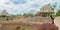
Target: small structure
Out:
[4,13]
[45,10]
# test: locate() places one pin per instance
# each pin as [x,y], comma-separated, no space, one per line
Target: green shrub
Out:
[58,13]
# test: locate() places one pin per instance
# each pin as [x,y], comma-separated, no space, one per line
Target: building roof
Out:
[4,12]
[45,9]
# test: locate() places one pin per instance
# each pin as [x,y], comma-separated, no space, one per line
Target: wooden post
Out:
[52,19]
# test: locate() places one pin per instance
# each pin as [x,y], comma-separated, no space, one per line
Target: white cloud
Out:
[26,7]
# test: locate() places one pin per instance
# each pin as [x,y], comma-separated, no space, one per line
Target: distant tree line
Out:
[29,14]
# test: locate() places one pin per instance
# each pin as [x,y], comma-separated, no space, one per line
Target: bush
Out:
[58,13]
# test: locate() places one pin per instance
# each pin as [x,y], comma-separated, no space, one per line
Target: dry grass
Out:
[31,21]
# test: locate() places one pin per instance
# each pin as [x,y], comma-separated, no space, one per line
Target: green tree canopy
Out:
[18,15]
[12,15]
[25,14]
[58,13]
[28,15]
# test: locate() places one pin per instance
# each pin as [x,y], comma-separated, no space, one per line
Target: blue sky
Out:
[22,6]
